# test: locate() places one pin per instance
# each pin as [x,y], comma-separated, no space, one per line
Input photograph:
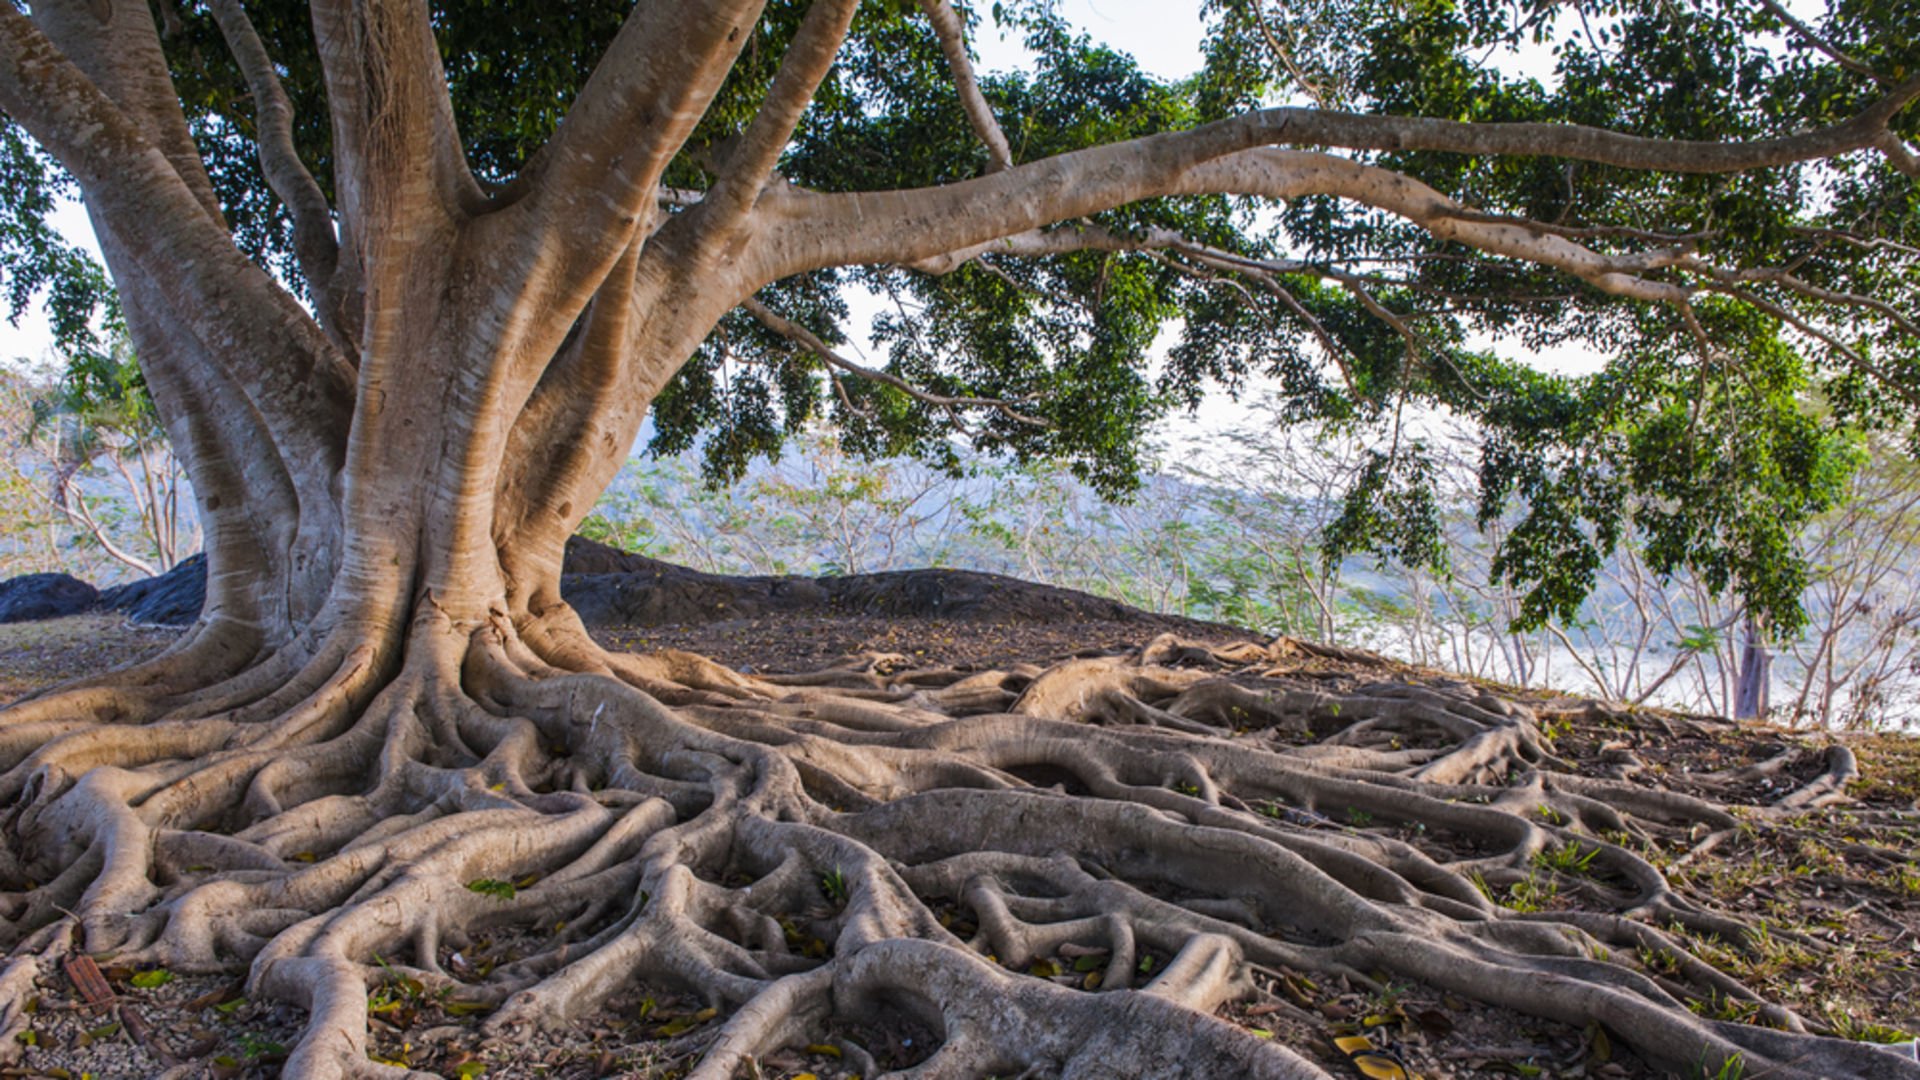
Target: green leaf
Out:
[149,980]
[494,887]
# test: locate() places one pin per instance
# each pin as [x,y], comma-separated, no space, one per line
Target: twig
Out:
[808,340]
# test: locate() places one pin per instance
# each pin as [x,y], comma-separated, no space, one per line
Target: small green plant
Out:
[1185,788]
[254,1046]
[1549,815]
[834,885]
[1847,1026]
[1358,818]
[1658,961]
[1565,858]
[1536,893]
[1479,881]
[1733,1068]
[1908,882]
[494,887]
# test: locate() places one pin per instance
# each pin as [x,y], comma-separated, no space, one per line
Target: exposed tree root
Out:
[871,844]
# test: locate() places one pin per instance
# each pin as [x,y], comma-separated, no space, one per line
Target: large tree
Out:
[499,234]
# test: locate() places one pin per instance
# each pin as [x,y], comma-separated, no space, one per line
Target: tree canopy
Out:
[1750,321]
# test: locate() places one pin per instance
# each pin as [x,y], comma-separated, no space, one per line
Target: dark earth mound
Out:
[44,596]
[172,599]
[610,588]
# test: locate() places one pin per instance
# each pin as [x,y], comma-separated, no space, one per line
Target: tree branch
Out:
[1314,93]
[753,158]
[1780,12]
[894,226]
[116,45]
[808,340]
[592,183]
[1852,356]
[909,225]
[953,42]
[151,214]
[313,239]
[397,153]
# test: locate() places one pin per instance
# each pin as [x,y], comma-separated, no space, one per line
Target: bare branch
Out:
[1807,289]
[1280,50]
[953,42]
[810,341]
[1779,11]
[1852,356]
[313,239]
[593,182]
[753,158]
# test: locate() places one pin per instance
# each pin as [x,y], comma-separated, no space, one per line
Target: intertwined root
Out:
[873,844]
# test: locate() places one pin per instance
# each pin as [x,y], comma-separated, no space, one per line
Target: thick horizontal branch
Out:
[811,342]
[816,230]
[1292,174]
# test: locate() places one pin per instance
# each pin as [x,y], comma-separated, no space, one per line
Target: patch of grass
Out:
[833,884]
[1847,1026]
[1536,893]
[1568,858]
[1889,769]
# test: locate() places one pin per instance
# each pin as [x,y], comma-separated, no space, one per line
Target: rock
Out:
[172,599]
[44,596]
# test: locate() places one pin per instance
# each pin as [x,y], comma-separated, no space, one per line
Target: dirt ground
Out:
[1839,901]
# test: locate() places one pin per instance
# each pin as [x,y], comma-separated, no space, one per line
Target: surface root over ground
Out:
[876,848]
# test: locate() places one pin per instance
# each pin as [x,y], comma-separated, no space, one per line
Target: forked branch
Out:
[753,158]
[595,179]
